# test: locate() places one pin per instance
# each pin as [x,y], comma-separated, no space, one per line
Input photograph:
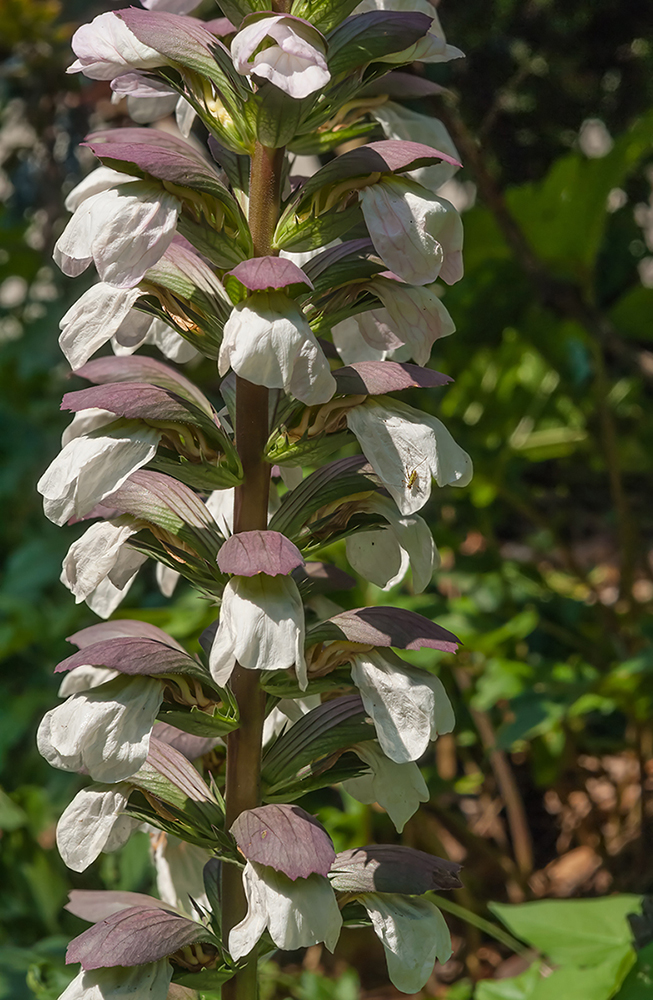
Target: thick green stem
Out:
[243,778]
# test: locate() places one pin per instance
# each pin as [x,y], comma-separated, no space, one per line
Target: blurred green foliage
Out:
[546,569]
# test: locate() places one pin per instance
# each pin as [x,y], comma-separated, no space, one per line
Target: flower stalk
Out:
[200,261]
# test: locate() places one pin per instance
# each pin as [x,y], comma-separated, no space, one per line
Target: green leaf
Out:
[516,988]
[572,931]
[632,313]
[638,984]
[598,982]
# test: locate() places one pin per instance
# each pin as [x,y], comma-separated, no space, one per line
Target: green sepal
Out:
[237,10]
[278,115]
[279,684]
[324,14]
[203,476]
[364,38]
[328,771]
[306,451]
[223,251]
[315,231]
[208,979]
[200,723]
[317,143]
[325,486]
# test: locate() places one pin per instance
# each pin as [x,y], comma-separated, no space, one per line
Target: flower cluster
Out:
[319,299]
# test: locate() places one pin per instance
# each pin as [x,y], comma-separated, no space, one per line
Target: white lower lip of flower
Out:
[142,982]
[276,347]
[89,468]
[99,180]
[297,913]
[179,872]
[383,556]
[261,627]
[377,557]
[413,933]
[124,230]
[398,788]
[94,822]
[352,345]
[85,422]
[105,732]
[100,553]
[416,314]
[406,449]
[297,76]
[85,678]
[93,319]
[409,707]
[402,124]
[413,231]
[106,48]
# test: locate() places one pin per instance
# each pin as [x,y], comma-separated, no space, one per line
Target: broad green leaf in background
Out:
[573,931]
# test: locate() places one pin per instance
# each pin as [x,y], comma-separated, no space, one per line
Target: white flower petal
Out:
[95,555]
[268,341]
[297,913]
[85,422]
[220,505]
[296,64]
[378,557]
[401,124]
[418,235]
[398,788]
[383,556]
[105,731]
[166,579]
[89,468]
[100,179]
[94,319]
[179,868]
[85,678]
[124,230]
[413,933]
[261,626]
[141,982]
[409,707]
[407,448]
[416,315]
[94,822]
[106,48]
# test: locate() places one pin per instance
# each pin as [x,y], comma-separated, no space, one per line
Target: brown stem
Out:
[519,829]
[243,774]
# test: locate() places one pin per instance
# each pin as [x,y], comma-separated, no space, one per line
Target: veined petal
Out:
[105,731]
[124,230]
[261,626]
[409,707]
[268,341]
[94,821]
[352,343]
[413,933]
[93,319]
[398,788]
[407,448]
[415,314]
[418,235]
[89,468]
[179,872]
[383,556]
[141,982]
[85,678]
[106,48]
[100,179]
[297,913]
[95,555]
[400,123]
[296,64]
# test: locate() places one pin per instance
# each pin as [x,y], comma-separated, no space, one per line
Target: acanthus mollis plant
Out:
[317,298]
